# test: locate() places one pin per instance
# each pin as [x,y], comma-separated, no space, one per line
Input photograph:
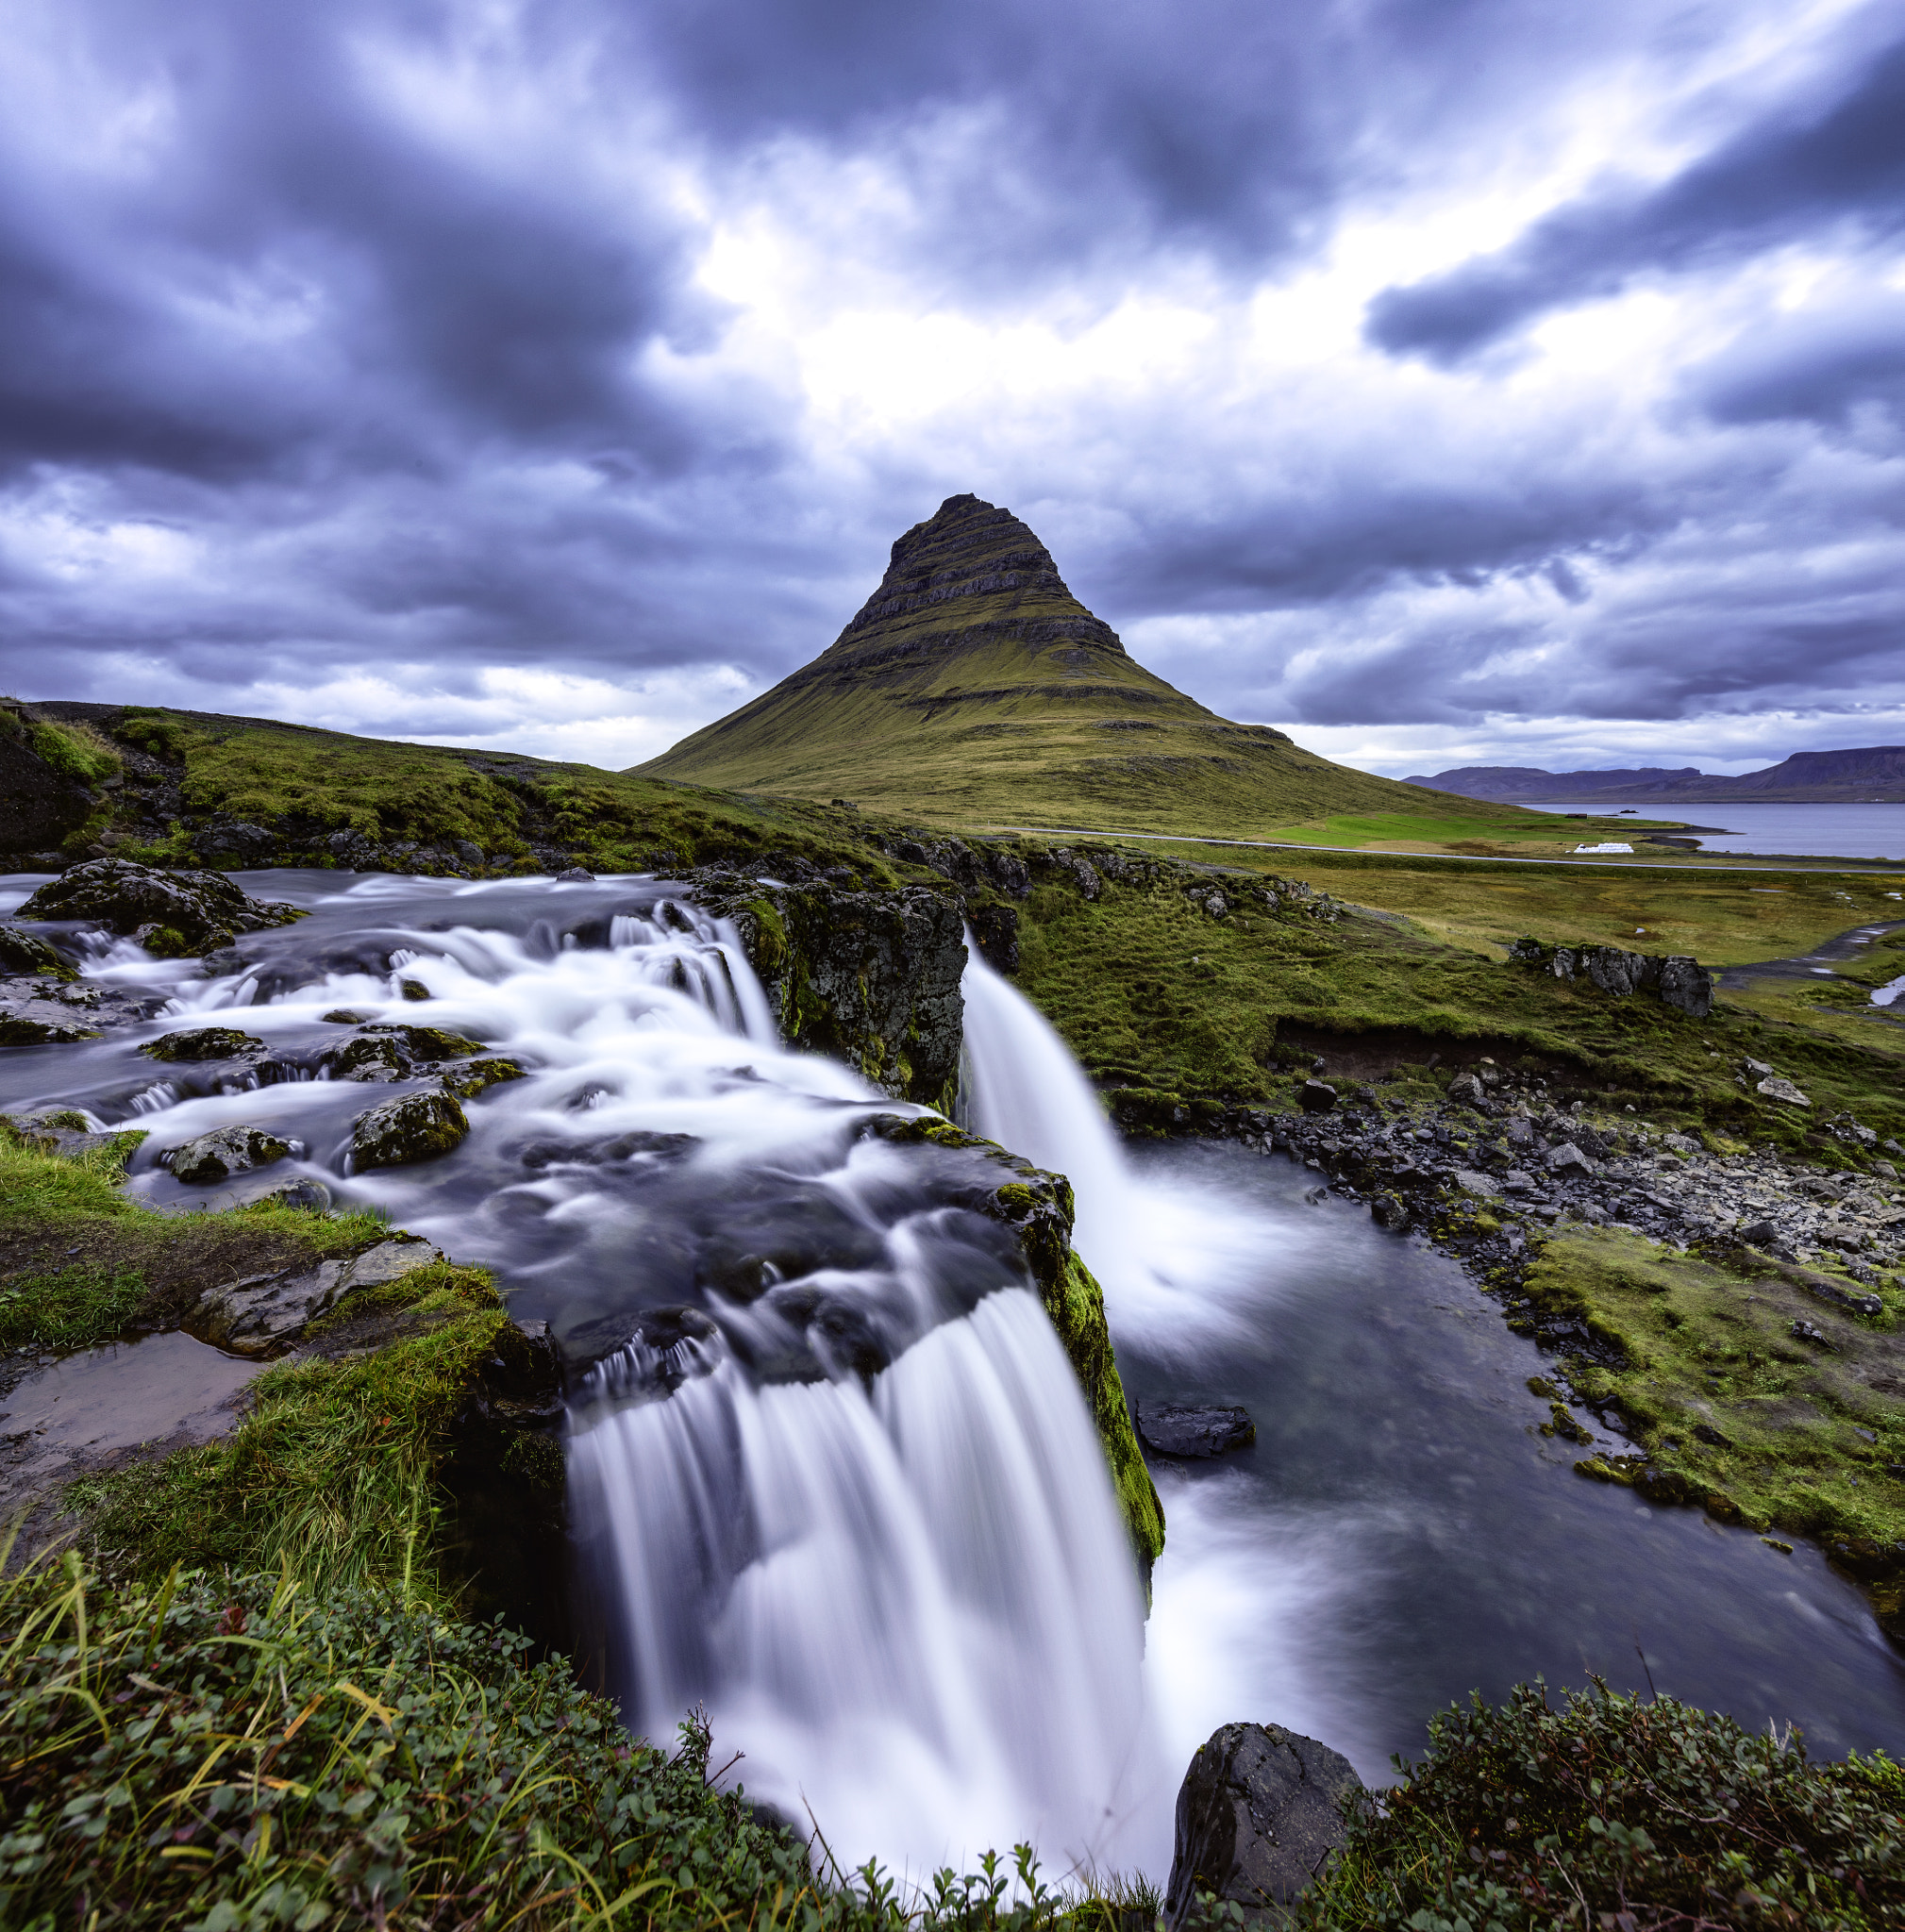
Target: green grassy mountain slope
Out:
[973,688]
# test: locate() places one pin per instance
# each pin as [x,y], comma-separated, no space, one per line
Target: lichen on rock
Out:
[401,1132]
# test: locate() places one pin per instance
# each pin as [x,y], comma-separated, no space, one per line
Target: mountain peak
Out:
[969,549]
[973,687]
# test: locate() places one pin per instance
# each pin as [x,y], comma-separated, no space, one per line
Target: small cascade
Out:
[1178,1262]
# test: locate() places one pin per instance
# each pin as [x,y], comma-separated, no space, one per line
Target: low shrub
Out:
[1618,1813]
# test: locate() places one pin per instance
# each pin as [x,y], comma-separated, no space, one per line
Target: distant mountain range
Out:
[1875,774]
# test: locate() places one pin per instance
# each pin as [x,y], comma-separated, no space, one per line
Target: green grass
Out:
[81,1262]
[1709,1347]
[307,784]
[1153,995]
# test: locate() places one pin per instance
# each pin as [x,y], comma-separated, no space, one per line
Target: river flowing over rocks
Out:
[833,1471]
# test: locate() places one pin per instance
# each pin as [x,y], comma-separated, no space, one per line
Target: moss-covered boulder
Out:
[869,978]
[1037,1207]
[26,952]
[401,1132]
[223,1152]
[203,1044]
[174,914]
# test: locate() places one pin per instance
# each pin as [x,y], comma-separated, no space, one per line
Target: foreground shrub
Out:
[237,1756]
[1618,1814]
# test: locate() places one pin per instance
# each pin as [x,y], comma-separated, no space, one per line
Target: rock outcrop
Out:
[262,1313]
[1258,1813]
[172,914]
[1675,980]
[223,1152]
[872,978]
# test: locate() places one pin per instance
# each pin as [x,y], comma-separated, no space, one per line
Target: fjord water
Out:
[1813,831]
[903,1589]
[1401,1533]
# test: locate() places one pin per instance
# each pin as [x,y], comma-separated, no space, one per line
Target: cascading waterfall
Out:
[831,1475]
[1179,1264]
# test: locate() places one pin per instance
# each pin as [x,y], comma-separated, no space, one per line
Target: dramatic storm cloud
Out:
[1442,382]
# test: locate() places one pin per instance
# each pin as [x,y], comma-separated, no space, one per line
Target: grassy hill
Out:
[972,688]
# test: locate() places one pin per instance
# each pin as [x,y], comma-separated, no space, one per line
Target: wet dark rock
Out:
[306,1193]
[871,978]
[28,952]
[468,1079]
[845,1340]
[399,1133]
[173,914]
[664,1328]
[203,1044]
[1704,1432]
[223,1152]
[1170,1429]
[1315,1096]
[1258,1813]
[1387,1211]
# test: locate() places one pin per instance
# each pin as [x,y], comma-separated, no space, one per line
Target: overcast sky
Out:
[1445,381]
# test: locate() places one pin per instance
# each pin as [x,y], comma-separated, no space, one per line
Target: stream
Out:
[829,1472]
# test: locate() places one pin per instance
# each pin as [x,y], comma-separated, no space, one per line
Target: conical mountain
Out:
[972,688]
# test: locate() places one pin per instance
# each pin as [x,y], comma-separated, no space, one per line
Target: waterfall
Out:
[830,1471]
[1179,1264]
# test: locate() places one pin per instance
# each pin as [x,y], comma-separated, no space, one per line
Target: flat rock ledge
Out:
[263,1314]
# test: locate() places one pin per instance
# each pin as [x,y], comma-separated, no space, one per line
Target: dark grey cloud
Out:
[1831,367]
[1790,175]
[366,342]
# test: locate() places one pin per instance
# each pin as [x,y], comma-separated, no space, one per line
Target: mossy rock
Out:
[401,1132]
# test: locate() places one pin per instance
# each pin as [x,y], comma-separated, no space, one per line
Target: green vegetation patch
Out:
[1617,1813]
[1730,1406]
[79,1262]
[332,1475]
[236,1753]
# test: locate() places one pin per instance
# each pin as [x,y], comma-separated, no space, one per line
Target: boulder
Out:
[1473,1182]
[1170,1429]
[1466,1090]
[173,914]
[1315,1096]
[203,1044]
[225,1151]
[1759,1234]
[1777,1087]
[263,1312]
[26,952]
[1569,1162]
[418,1126]
[1387,1211]
[1260,1812]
